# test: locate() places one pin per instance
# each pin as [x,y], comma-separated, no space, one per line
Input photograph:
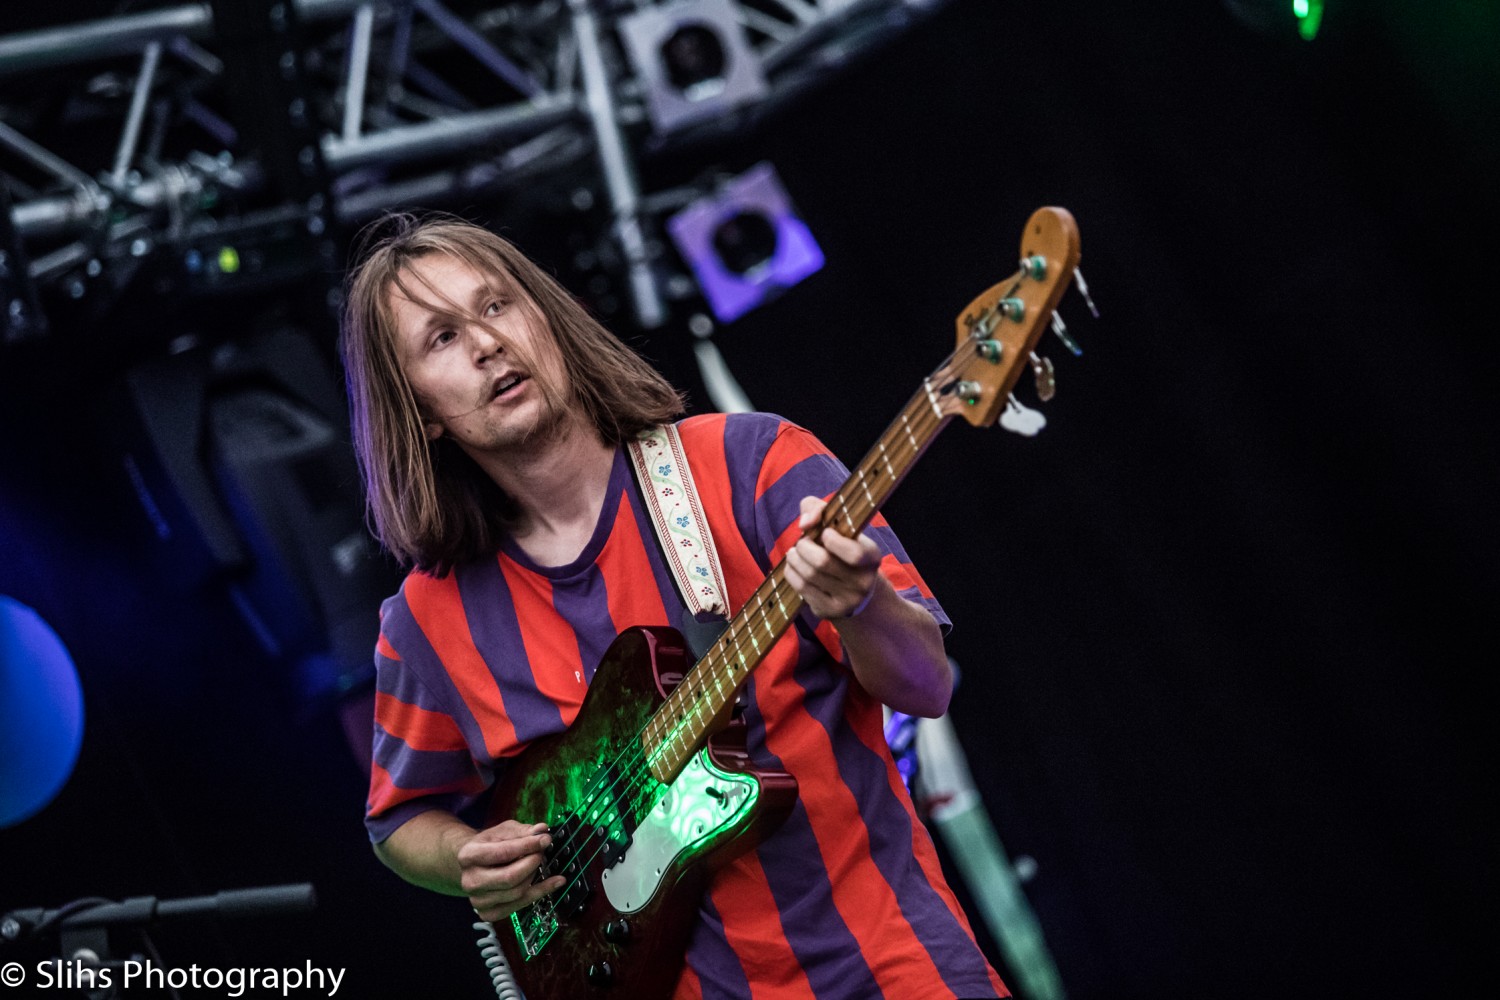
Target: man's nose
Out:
[485,342]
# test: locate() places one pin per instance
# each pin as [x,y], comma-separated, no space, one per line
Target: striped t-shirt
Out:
[845,900]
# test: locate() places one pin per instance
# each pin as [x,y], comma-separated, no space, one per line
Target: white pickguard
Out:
[700,803]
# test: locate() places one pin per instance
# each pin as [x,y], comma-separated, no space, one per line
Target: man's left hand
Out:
[835,575]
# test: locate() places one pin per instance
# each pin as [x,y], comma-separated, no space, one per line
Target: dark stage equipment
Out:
[98,946]
[250,436]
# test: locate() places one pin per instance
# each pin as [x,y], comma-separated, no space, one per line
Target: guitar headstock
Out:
[999,330]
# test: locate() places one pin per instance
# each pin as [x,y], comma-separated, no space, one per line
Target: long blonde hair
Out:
[427,502]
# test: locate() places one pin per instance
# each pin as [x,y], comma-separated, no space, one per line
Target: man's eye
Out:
[443,337]
[493,309]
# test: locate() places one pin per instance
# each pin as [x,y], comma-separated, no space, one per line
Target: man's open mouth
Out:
[506,385]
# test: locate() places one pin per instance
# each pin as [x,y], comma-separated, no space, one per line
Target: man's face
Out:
[474,348]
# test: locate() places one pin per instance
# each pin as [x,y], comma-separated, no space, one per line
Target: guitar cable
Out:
[494,960]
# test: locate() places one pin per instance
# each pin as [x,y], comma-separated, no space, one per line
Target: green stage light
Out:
[1309,17]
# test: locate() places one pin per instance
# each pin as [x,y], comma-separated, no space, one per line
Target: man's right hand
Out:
[494,867]
[497,866]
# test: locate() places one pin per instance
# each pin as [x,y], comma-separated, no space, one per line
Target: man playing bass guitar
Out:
[489,412]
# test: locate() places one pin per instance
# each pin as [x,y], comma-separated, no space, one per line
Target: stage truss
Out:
[208,143]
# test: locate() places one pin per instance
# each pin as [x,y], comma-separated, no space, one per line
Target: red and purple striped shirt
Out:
[846,899]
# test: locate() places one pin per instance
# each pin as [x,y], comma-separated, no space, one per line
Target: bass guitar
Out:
[650,789]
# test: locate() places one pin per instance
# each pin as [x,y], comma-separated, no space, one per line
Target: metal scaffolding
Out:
[188,125]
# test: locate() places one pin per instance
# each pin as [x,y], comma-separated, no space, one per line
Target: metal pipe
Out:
[196,55]
[43,158]
[359,69]
[479,47]
[325,10]
[59,260]
[132,134]
[561,147]
[41,218]
[448,135]
[614,159]
[114,36]
[100,39]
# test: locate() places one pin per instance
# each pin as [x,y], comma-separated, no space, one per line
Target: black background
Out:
[1222,625]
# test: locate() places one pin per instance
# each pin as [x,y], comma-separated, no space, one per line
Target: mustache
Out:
[484,399]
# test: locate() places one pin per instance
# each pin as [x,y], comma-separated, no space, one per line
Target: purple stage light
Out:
[745,243]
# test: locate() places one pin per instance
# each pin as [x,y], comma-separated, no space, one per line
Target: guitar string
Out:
[626,763]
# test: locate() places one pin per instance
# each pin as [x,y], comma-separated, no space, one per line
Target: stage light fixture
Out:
[1309,16]
[1278,16]
[693,60]
[745,242]
[41,713]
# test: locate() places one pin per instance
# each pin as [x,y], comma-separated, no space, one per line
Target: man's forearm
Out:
[424,850]
[896,650]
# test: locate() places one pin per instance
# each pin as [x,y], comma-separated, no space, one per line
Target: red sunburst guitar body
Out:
[631,945]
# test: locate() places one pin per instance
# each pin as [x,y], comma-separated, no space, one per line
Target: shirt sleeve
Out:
[421,759]
[797,465]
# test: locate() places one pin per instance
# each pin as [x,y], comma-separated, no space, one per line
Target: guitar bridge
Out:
[534,926]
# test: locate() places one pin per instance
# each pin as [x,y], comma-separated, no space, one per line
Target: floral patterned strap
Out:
[682,529]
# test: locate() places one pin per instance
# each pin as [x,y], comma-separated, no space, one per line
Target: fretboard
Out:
[687,717]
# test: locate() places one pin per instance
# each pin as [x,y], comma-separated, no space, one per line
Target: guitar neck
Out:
[689,715]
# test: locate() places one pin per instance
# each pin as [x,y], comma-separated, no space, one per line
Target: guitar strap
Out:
[682,533]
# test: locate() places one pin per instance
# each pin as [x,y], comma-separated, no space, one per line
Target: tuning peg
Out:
[1020,419]
[1046,379]
[1083,288]
[969,391]
[1061,329]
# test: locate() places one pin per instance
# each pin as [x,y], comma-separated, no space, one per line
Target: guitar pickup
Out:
[574,899]
[614,848]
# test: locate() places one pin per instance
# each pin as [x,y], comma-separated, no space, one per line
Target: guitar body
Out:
[640,852]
